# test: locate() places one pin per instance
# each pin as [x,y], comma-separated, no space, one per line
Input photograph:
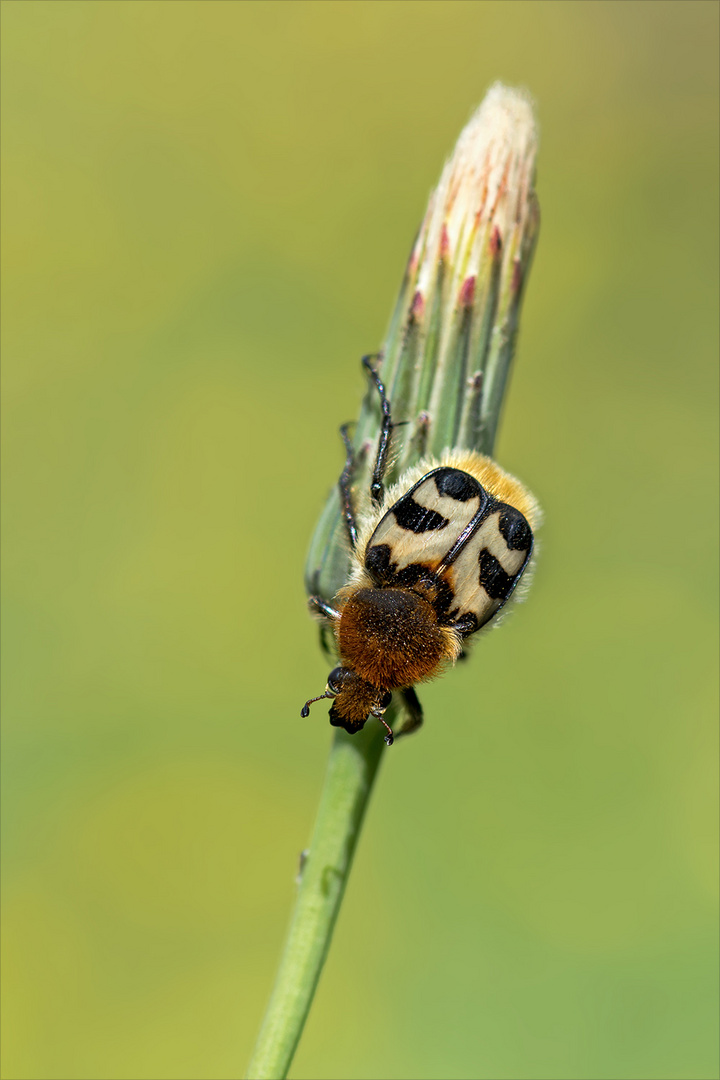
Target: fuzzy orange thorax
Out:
[390,637]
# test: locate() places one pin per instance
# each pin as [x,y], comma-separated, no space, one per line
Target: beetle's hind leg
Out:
[345,485]
[413,710]
[377,487]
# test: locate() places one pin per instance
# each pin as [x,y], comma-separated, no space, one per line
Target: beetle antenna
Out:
[305,711]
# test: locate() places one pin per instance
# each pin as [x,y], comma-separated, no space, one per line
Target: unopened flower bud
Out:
[448,350]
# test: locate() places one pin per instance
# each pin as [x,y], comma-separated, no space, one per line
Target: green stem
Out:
[352,768]
[445,363]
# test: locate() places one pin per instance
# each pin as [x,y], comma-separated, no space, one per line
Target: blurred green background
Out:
[207,211]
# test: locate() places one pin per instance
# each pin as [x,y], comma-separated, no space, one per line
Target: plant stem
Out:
[352,768]
[444,364]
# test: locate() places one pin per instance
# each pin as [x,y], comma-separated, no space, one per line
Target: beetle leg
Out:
[318,606]
[413,710]
[377,488]
[344,483]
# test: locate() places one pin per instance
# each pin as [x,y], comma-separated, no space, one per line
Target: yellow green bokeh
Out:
[207,207]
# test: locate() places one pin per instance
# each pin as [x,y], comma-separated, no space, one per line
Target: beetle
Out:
[435,558]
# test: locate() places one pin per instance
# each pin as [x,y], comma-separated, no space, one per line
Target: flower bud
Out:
[447,353]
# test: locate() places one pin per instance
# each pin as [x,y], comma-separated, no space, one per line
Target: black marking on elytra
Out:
[416,518]
[458,485]
[378,565]
[515,529]
[437,589]
[495,581]
[467,624]
[416,576]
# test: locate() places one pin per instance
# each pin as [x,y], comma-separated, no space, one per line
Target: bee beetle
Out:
[435,558]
